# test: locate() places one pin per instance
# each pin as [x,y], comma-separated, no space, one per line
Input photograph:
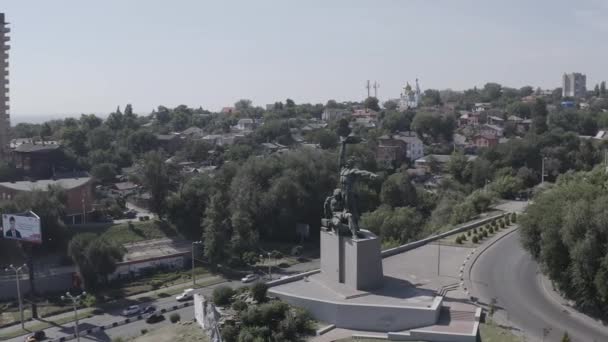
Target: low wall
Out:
[298,276]
[368,317]
[416,244]
[431,336]
[49,283]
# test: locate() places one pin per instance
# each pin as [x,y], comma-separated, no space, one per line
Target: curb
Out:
[482,249]
[119,323]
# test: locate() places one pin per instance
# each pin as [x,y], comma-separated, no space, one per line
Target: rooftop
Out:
[36,148]
[66,183]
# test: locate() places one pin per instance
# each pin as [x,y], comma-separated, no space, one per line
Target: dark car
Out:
[155,318]
[36,336]
[149,309]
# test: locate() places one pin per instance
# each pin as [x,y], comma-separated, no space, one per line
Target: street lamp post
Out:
[75,302]
[17,270]
[269,267]
[193,259]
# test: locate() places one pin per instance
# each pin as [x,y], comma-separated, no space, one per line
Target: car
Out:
[187,294]
[149,309]
[131,310]
[36,336]
[249,278]
[155,318]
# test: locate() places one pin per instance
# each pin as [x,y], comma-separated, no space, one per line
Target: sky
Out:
[71,56]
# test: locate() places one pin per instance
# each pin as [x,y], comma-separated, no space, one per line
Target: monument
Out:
[349,255]
[356,289]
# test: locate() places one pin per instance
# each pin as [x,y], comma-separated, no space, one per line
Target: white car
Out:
[131,310]
[249,278]
[187,294]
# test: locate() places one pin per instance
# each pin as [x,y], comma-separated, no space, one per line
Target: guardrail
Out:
[416,244]
[119,323]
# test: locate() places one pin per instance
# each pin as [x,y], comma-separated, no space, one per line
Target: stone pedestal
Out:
[357,263]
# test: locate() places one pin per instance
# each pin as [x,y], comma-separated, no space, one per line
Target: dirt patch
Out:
[188,332]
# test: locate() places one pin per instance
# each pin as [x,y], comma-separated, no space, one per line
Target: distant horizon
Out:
[88,57]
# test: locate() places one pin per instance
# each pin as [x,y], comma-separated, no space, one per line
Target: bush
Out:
[475,230]
[304,321]
[273,312]
[491,230]
[484,234]
[475,239]
[144,331]
[239,305]
[89,300]
[502,224]
[251,258]
[297,250]
[258,291]
[230,333]
[276,254]
[468,233]
[458,240]
[463,237]
[513,217]
[222,295]
[174,318]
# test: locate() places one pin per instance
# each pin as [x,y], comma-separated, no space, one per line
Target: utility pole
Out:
[438,257]
[606,160]
[542,171]
[75,301]
[193,259]
[368,87]
[376,87]
[17,280]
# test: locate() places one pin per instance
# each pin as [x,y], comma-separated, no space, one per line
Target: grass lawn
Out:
[132,232]
[189,332]
[494,333]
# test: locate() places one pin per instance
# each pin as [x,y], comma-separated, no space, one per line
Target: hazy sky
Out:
[74,56]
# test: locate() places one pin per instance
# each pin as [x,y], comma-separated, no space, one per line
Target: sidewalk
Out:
[68,317]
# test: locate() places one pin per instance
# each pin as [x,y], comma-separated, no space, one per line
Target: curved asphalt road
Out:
[508,273]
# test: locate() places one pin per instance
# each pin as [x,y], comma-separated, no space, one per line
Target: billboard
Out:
[23,227]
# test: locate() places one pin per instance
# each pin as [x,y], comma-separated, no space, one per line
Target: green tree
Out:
[566,337]
[371,103]
[431,97]
[96,258]
[142,141]
[186,207]
[104,172]
[326,139]
[390,105]
[343,130]
[398,191]
[100,138]
[258,291]
[394,121]
[216,229]
[155,178]
[603,89]
[458,166]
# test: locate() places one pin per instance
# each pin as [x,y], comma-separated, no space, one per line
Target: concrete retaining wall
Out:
[416,244]
[49,283]
[368,317]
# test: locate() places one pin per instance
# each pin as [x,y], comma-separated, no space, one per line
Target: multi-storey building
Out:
[574,85]
[4,107]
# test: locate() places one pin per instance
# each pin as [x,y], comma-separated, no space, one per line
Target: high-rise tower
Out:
[4,106]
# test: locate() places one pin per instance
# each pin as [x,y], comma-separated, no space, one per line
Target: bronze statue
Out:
[341,212]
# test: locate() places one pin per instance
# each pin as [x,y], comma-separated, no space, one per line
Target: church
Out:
[410,98]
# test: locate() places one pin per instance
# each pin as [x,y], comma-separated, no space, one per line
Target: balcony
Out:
[6,47]
[6,38]
[6,30]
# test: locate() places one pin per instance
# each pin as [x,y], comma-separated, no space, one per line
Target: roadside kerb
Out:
[416,244]
[482,249]
[123,322]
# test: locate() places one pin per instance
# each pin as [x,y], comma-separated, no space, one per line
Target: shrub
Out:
[276,254]
[174,318]
[89,300]
[513,217]
[297,250]
[475,239]
[463,237]
[222,295]
[304,321]
[458,240]
[239,305]
[144,331]
[491,230]
[273,312]
[258,291]
[468,232]
[230,333]
[475,230]
[484,234]
[502,224]
[251,258]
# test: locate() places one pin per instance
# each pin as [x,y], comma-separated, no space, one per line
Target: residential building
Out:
[4,98]
[245,125]
[193,133]
[330,114]
[365,113]
[482,140]
[169,142]
[78,190]
[441,160]
[574,85]
[396,148]
[228,110]
[468,119]
[482,106]
[491,130]
[38,160]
